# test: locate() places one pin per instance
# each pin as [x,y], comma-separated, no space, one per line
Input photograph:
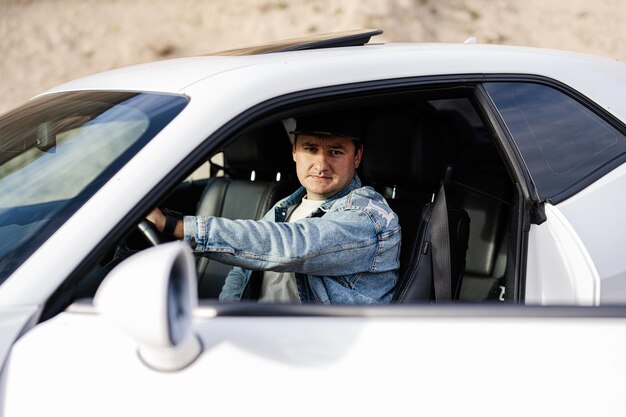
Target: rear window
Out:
[564,144]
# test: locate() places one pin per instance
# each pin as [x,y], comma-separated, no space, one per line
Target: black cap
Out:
[340,123]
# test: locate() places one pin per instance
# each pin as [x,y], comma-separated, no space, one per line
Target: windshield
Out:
[58,150]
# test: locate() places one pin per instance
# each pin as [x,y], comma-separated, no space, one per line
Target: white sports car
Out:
[530,146]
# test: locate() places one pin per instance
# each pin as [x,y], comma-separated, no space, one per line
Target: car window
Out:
[203,172]
[58,150]
[562,142]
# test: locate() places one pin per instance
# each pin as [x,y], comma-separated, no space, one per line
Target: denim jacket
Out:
[347,251]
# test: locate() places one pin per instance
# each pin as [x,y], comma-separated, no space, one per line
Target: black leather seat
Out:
[405,158]
[485,191]
[259,170]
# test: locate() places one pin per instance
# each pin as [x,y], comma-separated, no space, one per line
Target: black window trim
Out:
[424,310]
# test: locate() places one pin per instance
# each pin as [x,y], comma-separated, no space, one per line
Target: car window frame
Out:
[285,104]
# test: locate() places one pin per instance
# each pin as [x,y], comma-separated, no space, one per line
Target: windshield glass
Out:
[58,150]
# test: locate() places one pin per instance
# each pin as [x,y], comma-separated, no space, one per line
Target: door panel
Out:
[559,269]
[465,365]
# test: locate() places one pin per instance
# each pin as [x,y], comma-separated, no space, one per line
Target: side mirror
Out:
[151,296]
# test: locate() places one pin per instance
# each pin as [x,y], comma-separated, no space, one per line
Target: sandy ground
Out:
[47,42]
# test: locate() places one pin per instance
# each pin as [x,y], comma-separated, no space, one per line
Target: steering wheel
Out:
[149,232]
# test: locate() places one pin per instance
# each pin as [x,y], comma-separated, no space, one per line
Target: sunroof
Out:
[328,40]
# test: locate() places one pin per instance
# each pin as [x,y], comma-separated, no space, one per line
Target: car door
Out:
[273,359]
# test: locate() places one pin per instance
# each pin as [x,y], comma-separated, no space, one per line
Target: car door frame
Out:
[523,213]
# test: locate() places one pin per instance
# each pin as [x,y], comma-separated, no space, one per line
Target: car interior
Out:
[414,141]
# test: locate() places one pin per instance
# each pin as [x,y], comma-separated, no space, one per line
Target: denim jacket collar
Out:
[300,193]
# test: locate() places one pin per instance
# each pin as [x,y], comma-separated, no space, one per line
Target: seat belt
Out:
[440,246]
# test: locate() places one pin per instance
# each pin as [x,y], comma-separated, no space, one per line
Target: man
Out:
[331,241]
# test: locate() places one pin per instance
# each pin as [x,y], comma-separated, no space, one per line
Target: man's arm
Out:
[234,284]
[339,243]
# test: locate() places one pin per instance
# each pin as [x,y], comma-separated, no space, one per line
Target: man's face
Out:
[325,164]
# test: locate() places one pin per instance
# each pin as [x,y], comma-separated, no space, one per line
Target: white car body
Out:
[367,361]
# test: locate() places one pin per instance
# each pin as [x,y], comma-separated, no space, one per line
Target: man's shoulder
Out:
[364,193]
[372,202]
[362,196]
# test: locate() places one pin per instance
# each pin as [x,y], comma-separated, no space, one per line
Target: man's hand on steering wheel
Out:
[148,230]
[167,221]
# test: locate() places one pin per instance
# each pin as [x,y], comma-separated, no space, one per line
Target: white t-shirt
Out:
[280,287]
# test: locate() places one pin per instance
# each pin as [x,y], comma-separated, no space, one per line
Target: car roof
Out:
[596,77]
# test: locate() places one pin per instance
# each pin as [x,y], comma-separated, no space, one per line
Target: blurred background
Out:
[46,42]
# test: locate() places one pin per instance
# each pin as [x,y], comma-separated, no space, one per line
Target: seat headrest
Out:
[265,150]
[405,149]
